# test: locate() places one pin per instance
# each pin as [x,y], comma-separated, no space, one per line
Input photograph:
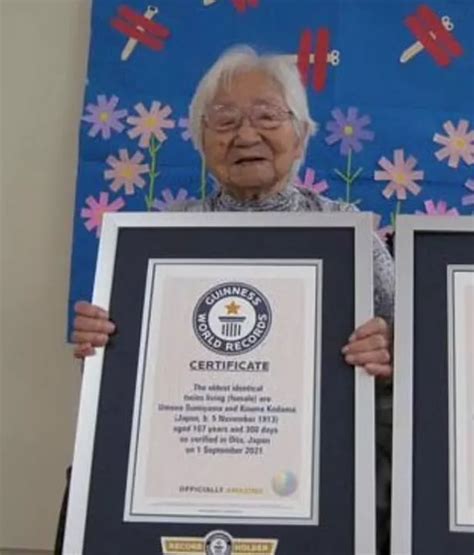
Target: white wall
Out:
[43,65]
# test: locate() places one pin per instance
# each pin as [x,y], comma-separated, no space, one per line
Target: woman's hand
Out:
[91,329]
[370,346]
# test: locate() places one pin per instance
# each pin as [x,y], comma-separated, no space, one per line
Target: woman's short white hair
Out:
[245,58]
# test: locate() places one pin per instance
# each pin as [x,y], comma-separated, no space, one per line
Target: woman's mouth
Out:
[249,160]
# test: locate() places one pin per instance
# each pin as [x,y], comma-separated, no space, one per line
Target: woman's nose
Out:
[246,133]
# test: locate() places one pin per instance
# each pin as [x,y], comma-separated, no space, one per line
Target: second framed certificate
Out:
[223,418]
[433,461]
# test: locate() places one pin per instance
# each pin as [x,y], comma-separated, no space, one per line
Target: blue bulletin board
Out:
[391,83]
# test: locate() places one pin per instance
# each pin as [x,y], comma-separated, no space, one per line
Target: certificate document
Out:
[461,343]
[227,400]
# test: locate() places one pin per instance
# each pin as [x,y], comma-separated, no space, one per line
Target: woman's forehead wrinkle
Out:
[269,90]
[270,100]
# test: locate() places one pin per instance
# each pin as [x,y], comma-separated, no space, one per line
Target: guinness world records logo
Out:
[218,543]
[232,318]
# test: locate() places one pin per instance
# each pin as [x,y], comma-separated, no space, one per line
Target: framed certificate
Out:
[433,455]
[222,417]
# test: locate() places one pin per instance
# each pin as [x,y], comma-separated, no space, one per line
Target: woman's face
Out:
[250,161]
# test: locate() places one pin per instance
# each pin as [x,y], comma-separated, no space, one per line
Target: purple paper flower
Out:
[348,130]
[467,200]
[310,183]
[169,199]
[439,208]
[184,124]
[104,117]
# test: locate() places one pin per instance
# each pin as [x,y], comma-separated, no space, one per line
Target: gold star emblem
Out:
[232,308]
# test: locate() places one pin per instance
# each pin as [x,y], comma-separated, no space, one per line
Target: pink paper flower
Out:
[467,200]
[126,172]
[94,214]
[437,209]
[458,144]
[400,174]
[104,117]
[184,124]
[310,183]
[169,199]
[150,123]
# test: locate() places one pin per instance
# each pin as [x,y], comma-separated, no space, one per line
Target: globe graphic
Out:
[284,483]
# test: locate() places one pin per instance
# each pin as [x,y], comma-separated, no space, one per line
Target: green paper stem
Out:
[153,151]
[356,175]
[341,175]
[395,214]
[348,177]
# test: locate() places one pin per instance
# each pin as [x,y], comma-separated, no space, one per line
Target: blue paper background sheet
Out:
[394,137]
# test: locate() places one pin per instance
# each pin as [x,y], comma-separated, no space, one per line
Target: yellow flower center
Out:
[400,178]
[104,117]
[127,172]
[348,130]
[459,143]
[150,122]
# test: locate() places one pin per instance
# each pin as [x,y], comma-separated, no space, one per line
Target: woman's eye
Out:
[225,119]
[267,115]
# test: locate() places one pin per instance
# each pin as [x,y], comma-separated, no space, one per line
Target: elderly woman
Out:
[251,123]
